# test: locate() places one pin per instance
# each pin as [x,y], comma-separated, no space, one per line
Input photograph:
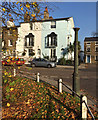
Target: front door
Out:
[88,58]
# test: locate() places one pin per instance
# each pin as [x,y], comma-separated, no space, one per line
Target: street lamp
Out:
[76,80]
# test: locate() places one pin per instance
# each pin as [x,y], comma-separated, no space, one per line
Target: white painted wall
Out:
[23,31]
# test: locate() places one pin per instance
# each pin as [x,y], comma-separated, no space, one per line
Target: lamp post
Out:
[76,80]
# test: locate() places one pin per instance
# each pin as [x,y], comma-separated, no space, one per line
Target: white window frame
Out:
[96,42]
[87,48]
[9,43]
[53,23]
[95,48]
[88,44]
[95,58]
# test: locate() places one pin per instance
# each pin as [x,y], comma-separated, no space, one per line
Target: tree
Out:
[17,10]
[70,48]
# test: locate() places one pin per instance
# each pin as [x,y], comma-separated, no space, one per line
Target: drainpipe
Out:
[76,80]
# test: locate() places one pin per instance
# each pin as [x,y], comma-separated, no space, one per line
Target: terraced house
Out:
[44,38]
[91,49]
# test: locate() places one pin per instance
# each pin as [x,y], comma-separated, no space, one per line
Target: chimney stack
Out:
[46,14]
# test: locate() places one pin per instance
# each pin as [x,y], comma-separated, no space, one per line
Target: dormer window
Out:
[53,24]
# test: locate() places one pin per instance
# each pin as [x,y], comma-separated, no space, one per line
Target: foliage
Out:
[17,10]
[62,61]
[69,62]
[27,99]
[23,54]
[45,56]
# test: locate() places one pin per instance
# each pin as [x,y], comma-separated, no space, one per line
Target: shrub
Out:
[62,61]
[69,62]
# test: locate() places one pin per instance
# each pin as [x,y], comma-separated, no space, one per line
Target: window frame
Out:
[88,48]
[9,42]
[53,24]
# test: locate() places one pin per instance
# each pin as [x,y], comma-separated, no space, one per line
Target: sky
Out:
[83,13]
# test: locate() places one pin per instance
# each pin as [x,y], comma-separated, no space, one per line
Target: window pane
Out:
[96,49]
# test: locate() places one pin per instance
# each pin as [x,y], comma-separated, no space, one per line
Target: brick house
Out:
[91,50]
[9,38]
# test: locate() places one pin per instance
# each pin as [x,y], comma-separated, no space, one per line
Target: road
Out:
[87,76]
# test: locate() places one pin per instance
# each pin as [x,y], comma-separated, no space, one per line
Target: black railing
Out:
[81,101]
[79,96]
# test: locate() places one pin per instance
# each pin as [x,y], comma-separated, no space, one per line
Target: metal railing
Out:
[79,96]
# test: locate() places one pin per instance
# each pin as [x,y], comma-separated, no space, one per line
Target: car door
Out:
[43,62]
[37,62]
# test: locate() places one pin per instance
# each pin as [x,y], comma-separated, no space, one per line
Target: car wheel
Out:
[33,65]
[49,66]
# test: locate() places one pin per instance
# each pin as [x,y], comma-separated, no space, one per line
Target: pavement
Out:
[82,66]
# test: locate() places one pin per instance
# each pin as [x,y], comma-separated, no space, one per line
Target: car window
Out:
[17,59]
[43,60]
[21,59]
[37,60]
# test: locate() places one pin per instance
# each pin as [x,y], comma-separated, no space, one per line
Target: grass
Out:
[26,99]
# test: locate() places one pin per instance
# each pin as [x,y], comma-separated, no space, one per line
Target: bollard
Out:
[60,85]
[37,77]
[14,72]
[84,108]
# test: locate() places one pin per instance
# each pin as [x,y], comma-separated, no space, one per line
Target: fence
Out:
[83,99]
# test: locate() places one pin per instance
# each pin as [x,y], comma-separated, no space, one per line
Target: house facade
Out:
[57,34]
[91,50]
[9,38]
[42,38]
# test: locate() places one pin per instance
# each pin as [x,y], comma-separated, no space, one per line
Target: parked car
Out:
[12,61]
[19,61]
[42,63]
[8,61]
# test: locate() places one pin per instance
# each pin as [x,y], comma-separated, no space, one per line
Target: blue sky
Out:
[83,13]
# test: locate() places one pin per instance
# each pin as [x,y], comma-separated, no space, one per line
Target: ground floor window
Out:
[96,58]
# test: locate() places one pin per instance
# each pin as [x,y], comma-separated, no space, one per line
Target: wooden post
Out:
[60,85]
[37,77]
[84,108]
[14,72]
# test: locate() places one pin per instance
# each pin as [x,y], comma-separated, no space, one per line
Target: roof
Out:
[88,39]
[48,20]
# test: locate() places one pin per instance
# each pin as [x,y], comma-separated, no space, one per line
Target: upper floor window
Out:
[53,24]
[29,40]
[88,43]
[96,43]
[88,49]
[51,40]
[10,42]
[10,32]
[96,49]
